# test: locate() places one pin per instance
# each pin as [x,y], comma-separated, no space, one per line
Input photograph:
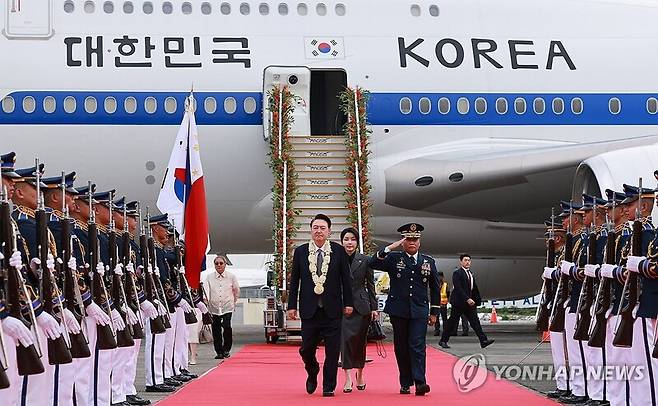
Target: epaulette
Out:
[101,228]
[158,245]
[647,226]
[79,224]
[427,257]
[24,213]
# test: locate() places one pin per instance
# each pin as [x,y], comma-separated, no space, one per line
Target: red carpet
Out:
[274,374]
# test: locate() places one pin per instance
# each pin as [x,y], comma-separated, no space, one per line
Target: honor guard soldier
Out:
[411,274]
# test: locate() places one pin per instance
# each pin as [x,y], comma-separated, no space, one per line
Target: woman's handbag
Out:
[205,335]
[376,331]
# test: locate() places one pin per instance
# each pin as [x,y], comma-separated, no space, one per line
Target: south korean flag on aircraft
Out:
[324,48]
[183,195]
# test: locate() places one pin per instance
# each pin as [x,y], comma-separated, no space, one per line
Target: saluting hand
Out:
[396,244]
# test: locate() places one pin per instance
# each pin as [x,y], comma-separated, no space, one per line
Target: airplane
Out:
[483,114]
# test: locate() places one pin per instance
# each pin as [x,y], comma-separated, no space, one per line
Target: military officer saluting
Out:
[411,272]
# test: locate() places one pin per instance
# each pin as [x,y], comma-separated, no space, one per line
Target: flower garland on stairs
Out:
[278,95]
[347,106]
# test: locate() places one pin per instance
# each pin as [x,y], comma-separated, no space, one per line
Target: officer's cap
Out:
[118,204]
[411,230]
[555,226]
[588,202]
[131,208]
[616,197]
[55,182]
[103,197]
[83,192]
[160,219]
[29,175]
[8,161]
[632,193]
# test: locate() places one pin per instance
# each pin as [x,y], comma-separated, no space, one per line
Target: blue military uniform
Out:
[408,305]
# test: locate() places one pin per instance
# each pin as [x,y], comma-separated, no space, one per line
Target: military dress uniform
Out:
[408,307]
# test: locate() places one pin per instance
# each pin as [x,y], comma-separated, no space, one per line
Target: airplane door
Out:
[25,19]
[298,80]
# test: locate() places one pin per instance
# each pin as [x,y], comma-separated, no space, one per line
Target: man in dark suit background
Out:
[464,299]
[322,271]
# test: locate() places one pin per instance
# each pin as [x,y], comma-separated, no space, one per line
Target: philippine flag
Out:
[183,195]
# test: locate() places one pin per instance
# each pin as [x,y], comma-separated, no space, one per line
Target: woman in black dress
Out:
[355,326]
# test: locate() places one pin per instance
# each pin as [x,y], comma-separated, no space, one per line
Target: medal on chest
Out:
[425,269]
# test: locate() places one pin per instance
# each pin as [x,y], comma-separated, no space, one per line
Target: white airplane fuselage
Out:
[492,64]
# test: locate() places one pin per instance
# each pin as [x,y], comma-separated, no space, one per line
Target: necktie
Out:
[319,270]
[413,260]
[470,279]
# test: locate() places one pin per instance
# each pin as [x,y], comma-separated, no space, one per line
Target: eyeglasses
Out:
[220,263]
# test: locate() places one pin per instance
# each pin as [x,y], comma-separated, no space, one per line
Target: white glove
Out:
[71,322]
[149,309]
[117,321]
[185,306]
[2,256]
[98,314]
[50,262]
[590,270]
[16,260]
[548,272]
[34,264]
[607,270]
[130,268]
[15,329]
[156,271]
[73,264]
[49,325]
[181,269]
[131,317]
[118,270]
[149,268]
[100,268]
[202,306]
[566,266]
[161,310]
[632,263]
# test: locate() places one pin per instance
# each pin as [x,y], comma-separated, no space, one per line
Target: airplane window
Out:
[110,105]
[108,7]
[614,105]
[186,8]
[8,104]
[415,10]
[150,105]
[501,105]
[424,105]
[170,105]
[558,105]
[652,105]
[264,9]
[480,105]
[434,10]
[167,7]
[340,9]
[29,105]
[463,105]
[577,105]
[130,105]
[444,105]
[519,105]
[210,105]
[250,105]
[302,9]
[321,9]
[539,105]
[230,105]
[69,7]
[206,8]
[244,9]
[49,104]
[69,104]
[89,7]
[90,105]
[128,7]
[405,105]
[147,7]
[225,8]
[283,9]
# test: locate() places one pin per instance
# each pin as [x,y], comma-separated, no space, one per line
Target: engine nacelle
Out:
[611,170]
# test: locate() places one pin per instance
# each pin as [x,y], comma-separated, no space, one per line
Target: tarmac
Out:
[514,340]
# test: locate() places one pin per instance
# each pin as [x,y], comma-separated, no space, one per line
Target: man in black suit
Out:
[322,271]
[464,299]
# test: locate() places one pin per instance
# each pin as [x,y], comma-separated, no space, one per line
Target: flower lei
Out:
[319,280]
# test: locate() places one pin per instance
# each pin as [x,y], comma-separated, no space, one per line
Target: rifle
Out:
[158,283]
[585,299]
[624,331]
[58,349]
[132,300]
[597,328]
[157,324]
[28,359]
[72,297]
[105,334]
[543,310]
[190,317]
[556,323]
[4,379]
[124,337]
